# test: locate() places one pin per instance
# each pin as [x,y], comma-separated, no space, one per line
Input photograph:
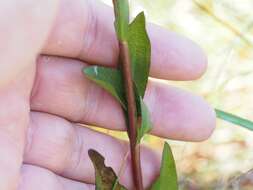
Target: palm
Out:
[41,104]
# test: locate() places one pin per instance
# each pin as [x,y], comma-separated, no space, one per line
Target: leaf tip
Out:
[94,155]
[85,70]
[91,153]
[141,16]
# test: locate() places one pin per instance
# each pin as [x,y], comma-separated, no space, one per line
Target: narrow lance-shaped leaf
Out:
[109,79]
[168,175]
[234,119]
[121,18]
[140,52]
[106,178]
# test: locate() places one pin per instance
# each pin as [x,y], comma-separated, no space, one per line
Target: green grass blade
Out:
[234,119]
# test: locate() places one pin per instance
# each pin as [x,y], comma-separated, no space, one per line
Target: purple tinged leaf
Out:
[106,178]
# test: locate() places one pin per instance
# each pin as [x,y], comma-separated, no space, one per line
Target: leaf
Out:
[121,9]
[146,124]
[140,52]
[168,175]
[109,79]
[234,119]
[106,178]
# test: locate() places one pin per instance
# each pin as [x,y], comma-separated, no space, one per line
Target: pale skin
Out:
[43,94]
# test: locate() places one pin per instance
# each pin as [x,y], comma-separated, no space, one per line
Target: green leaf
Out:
[146,124]
[109,79]
[121,9]
[234,119]
[106,178]
[140,52]
[168,175]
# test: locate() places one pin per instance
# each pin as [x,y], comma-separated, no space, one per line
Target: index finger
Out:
[84,30]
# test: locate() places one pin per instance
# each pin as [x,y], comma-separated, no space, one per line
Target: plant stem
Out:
[131,112]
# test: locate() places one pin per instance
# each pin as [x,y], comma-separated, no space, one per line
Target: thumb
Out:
[23,30]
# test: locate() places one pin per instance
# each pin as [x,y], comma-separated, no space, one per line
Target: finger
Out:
[84,30]
[61,89]
[33,176]
[62,147]
[23,30]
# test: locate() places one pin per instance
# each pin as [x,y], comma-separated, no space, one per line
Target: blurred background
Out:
[224,29]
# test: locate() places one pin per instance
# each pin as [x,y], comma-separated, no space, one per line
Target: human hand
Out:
[43,99]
